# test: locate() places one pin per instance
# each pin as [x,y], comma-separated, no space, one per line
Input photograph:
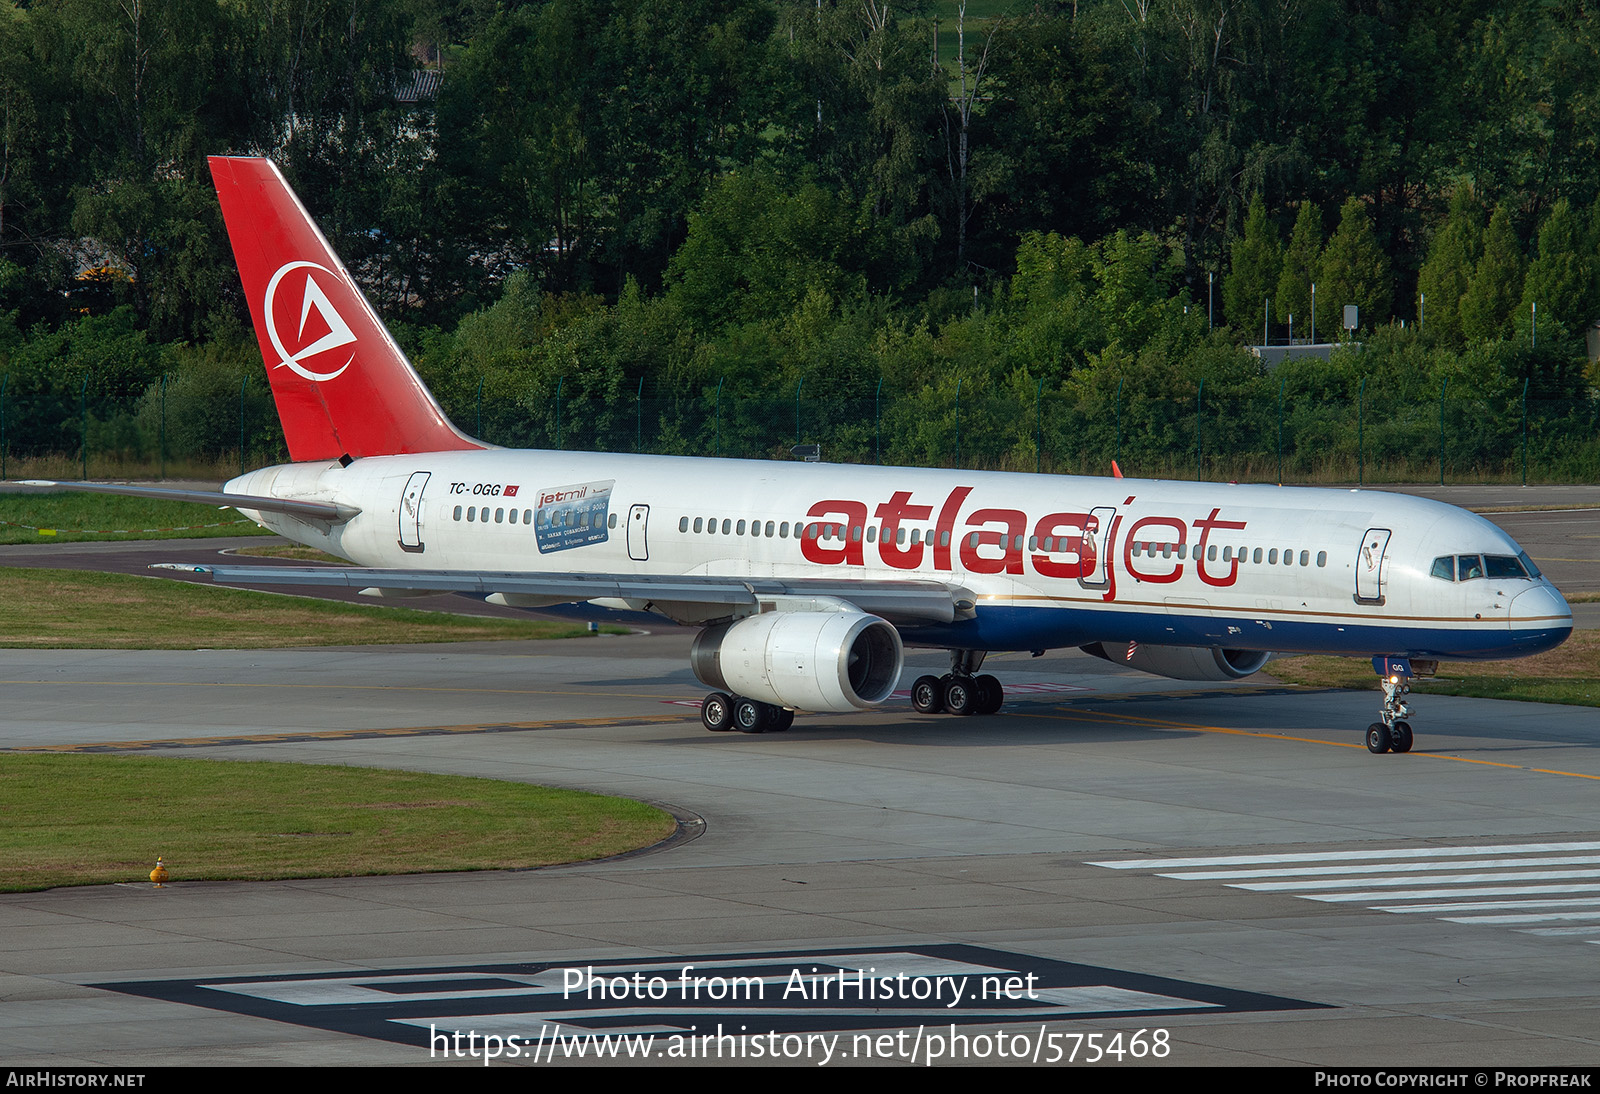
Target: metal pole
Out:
[1422,310]
[1442,388]
[877,423]
[162,442]
[797,388]
[560,382]
[1199,450]
[242,383]
[1525,431]
[1533,329]
[1313,313]
[1361,436]
[1038,429]
[480,408]
[1266,311]
[1281,382]
[1120,382]
[958,410]
[3,381]
[638,419]
[719,413]
[1211,278]
[83,397]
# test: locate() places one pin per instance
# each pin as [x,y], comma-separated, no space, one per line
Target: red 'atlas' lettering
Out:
[892,512]
[1079,544]
[1011,561]
[854,514]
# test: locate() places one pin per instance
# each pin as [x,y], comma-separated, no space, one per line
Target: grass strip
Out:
[74,609]
[1568,674]
[75,517]
[95,820]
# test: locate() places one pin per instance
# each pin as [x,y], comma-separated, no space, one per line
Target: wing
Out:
[690,599]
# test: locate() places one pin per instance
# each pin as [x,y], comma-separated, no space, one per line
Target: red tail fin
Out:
[341,384]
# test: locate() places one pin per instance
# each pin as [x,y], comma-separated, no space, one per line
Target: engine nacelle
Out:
[837,661]
[1188,662]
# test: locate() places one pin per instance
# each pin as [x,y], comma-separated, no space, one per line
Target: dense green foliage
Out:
[974,234]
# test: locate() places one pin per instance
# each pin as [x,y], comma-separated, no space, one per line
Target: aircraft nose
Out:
[1541,619]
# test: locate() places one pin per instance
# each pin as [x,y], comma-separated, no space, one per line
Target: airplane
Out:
[809,580]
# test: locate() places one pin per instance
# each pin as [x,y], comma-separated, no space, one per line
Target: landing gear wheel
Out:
[1400,737]
[1377,737]
[716,712]
[751,716]
[782,719]
[960,696]
[990,694]
[927,695]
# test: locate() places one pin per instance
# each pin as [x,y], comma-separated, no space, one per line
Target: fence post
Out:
[1524,430]
[161,433]
[3,381]
[877,423]
[242,383]
[1038,429]
[718,413]
[83,401]
[1118,457]
[560,382]
[1281,382]
[480,408]
[1199,448]
[797,388]
[958,396]
[638,419]
[1361,435]
[1442,388]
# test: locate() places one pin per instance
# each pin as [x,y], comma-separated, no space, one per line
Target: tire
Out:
[782,719]
[960,696]
[750,716]
[1377,737]
[716,712]
[1400,737]
[927,695]
[991,694]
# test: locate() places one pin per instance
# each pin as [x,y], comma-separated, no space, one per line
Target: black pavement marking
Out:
[785,992]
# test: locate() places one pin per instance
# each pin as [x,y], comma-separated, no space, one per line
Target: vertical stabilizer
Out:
[341,384]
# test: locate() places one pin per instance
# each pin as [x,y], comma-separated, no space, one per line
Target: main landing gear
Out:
[958,691]
[1393,733]
[720,712]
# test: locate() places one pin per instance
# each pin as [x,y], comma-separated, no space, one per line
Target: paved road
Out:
[1226,864]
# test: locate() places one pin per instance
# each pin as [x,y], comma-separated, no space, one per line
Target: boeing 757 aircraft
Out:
[809,579]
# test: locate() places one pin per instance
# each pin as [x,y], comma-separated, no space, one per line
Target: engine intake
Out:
[837,661]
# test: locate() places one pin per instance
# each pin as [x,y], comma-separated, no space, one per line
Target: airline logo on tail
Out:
[328,332]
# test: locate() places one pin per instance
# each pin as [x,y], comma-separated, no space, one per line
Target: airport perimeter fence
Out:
[1372,436]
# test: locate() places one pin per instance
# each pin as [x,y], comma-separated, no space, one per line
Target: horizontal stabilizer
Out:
[333,512]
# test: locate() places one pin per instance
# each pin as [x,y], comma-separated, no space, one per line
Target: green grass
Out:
[74,517]
[1569,674]
[72,609]
[94,820]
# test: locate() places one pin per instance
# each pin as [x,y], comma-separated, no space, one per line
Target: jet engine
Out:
[837,661]
[1187,662]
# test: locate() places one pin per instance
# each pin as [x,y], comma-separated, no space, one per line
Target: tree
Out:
[1560,277]
[1496,285]
[1293,297]
[1354,269]
[1447,273]
[1257,263]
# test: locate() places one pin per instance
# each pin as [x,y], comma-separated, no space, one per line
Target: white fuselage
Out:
[1049,561]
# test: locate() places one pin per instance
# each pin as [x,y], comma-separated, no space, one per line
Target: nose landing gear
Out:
[1393,733]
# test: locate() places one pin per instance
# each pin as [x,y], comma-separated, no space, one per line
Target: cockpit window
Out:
[1469,566]
[1502,566]
[1527,564]
[1444,568]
